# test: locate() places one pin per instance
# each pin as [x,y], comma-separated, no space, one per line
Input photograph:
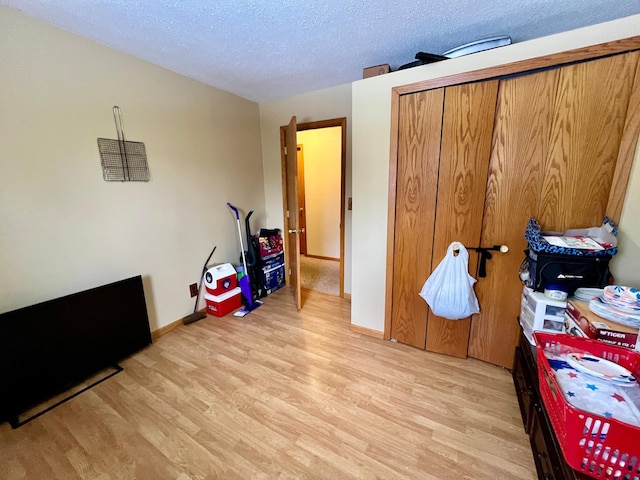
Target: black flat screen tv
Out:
[49,347]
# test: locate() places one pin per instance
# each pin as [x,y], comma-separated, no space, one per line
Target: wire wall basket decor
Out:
[123,160]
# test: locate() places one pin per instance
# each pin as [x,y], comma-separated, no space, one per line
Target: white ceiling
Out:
[267,49]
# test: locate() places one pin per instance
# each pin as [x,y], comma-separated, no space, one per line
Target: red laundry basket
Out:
[597,446]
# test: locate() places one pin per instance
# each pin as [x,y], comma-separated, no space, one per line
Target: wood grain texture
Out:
[293,254]
[285,202]
[156,334]
[283,394]
[589,118]
[556,164]
[469,112]
[343,194]
[562,151]
[528,65]
[302,201]
[416,189]
[479,342]
[628,146]
[391,213]
[520,145]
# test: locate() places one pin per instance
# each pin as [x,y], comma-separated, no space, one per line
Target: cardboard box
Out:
[270,245]
[598,328]
[220,305]
[572,328]
[273,278]
[273,261]
[375,71]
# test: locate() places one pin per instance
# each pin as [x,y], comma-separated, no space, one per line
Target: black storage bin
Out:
[572,271]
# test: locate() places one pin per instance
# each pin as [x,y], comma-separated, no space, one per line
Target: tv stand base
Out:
[15,421]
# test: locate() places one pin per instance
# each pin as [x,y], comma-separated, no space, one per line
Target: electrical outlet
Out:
[193,288]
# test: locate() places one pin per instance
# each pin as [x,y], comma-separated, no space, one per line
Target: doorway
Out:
[321,162]
[319,182]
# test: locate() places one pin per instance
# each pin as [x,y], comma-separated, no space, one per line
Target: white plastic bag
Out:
[449,288]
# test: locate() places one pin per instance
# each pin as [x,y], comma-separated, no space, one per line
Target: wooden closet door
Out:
[520,145]
[589,118]
[469,112]
[420,126]
[554,154]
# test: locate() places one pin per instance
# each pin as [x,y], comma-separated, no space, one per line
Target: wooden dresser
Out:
[550,463]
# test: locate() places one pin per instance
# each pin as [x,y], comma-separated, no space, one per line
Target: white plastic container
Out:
[540,313]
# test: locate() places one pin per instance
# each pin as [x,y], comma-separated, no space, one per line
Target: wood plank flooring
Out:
[280,394]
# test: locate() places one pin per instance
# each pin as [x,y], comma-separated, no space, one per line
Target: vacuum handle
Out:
[235,210]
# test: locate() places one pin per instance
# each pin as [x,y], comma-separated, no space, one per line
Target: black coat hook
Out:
[485,254]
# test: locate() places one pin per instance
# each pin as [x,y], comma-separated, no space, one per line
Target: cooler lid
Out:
[217,272]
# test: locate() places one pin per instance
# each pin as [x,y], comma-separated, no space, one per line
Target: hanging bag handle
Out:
[458,250]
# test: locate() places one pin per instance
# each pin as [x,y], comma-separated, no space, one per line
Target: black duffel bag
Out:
[571,271]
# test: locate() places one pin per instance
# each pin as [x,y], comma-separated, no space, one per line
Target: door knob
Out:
[485,254]
[297,231]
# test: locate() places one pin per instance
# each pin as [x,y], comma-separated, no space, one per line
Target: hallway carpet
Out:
[320,275]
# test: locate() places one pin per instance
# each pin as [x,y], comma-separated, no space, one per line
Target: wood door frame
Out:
[333,122]
[302,202]
[625,155]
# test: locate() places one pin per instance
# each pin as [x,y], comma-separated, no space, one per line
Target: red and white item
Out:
[220,279]
[220,305]
[596,444]
[598,328]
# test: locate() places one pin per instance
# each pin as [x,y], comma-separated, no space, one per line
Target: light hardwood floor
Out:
[280,394]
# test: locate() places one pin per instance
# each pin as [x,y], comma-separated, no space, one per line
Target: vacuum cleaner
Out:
[253,261]
[243,277]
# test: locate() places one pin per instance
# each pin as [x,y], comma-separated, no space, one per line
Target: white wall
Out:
[371,144]
[625,266]
[322,149]
[62,228]
[315,106]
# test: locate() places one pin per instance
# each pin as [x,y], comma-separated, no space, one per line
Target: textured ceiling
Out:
[268,49]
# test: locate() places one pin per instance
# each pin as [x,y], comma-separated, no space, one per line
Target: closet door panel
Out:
[589,119]
[627,151]
[519,147]
[420,127]
[469,112]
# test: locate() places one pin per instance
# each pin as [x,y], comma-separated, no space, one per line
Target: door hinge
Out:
[285,151]
[289,271]
[287,213]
